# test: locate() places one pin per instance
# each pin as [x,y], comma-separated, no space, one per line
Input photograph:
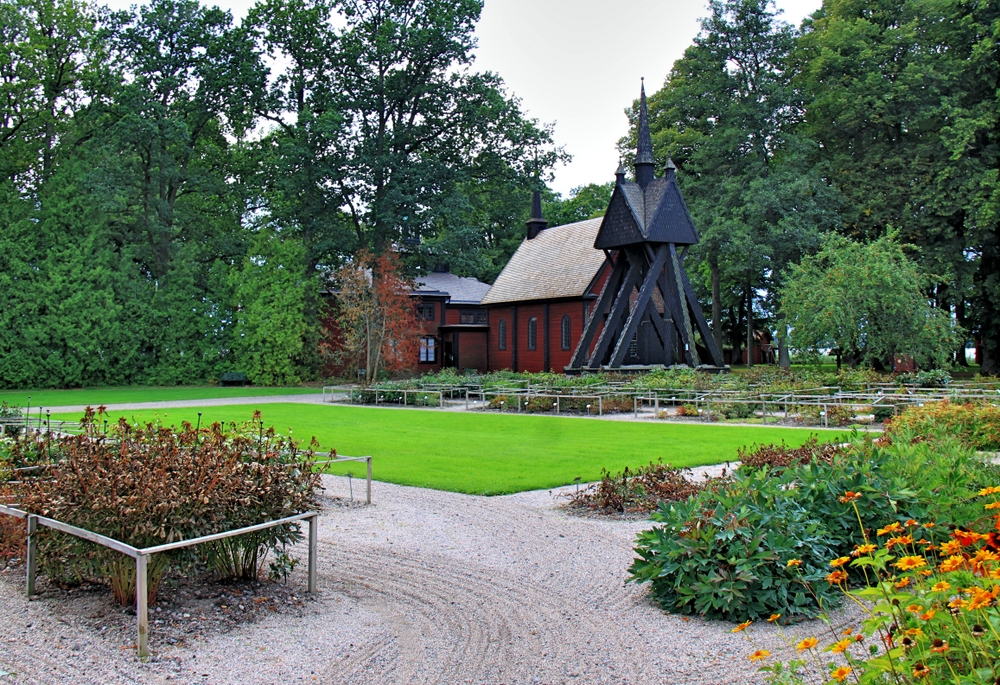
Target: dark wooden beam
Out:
[639,310]
[619,310]
[699,317]
[597,313]
[682,319]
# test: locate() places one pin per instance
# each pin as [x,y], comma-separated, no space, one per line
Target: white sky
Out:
[577,64]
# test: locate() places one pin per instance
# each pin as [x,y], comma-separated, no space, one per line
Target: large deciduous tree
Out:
[726,115]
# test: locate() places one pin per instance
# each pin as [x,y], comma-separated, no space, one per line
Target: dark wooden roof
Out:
[657,214]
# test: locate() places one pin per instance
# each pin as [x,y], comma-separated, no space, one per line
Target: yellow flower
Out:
[773,617]
[863,549]
[899,540]
[983,598]
[957,604]
[913,632]
[914,608]
[951,547]
[793,562]
[741,627]
[988,491]
[891,528]
[760,655]
[808,643]
[840,561]
[841,646]
[985,555]
[942,586]
[910,563]
[840,673]
[928,615]
[952,563]
[993,505]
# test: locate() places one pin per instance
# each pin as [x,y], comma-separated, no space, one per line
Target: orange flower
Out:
[951,547]
[891,528]
[929,524]
[910,563]
[849,497]
[863,549]
[967,537]
[836,577]
[913,632]
[910,523]
[957,604]
[808,643]
[983,598]
[942,586]
[840,673]
[741,627]
[905,582]
[914,608]
[988,491]
[773,617]
[993,505]
[952,563]
[760,655]
[793,563]
[841,646]
[900,540]
[985,555]
[939,646]
[926,572]
[928,615]
[920,671]
[840,561]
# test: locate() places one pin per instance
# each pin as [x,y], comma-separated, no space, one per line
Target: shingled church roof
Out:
[558,262]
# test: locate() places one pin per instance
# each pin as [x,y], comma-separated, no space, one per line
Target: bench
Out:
[233,378]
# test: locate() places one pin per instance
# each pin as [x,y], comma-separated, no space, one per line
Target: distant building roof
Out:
[558,262]
[461,289]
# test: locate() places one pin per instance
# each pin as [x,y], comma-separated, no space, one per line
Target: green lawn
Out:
[97,396]
[493,453]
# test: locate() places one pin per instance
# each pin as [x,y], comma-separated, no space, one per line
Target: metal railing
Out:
[143,554]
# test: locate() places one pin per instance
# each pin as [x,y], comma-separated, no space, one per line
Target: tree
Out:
[903,98]
[375,313]
[727,115]
[866,300]
[584,202]
[269,323]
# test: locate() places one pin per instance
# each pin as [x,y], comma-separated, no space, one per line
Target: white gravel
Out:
[423,587]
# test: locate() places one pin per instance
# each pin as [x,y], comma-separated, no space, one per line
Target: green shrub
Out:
[733,410]
[724,553]
[975,425]
[147,485]
[8,412]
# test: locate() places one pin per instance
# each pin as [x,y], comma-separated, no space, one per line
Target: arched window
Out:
[502,334]
[532,333]
[566,332]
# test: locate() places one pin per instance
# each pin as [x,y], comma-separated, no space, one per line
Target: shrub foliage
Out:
[148,484]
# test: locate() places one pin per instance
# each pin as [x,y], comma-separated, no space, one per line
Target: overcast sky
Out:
[577,63]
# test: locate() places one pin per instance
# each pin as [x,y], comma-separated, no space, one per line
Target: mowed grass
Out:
[98,396]
[492,453]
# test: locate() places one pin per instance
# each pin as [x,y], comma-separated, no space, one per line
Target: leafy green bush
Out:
[725,553]
[733,410]
[9,412]
[975,425]
[933,378]
[147,484]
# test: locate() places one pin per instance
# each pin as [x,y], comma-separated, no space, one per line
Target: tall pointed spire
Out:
[536,224]
[644,150]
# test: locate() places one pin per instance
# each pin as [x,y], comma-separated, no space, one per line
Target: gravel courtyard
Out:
[422,587]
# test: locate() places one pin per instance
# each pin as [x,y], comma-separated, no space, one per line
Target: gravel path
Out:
[422,587]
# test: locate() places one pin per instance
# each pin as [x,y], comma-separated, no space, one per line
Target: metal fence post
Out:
[142,603]
[313,526]
[32,553]
[600,406]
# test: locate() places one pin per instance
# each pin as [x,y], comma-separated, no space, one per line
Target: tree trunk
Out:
[784,360]
[713,265]
[989,304]
[749,298]
[960,358]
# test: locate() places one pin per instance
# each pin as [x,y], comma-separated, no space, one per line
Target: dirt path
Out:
[422,587]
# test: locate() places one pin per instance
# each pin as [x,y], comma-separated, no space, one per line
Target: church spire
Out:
[536,224]
[644,150]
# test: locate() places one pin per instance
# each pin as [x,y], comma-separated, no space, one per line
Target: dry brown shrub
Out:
[641,490]
[782,456]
